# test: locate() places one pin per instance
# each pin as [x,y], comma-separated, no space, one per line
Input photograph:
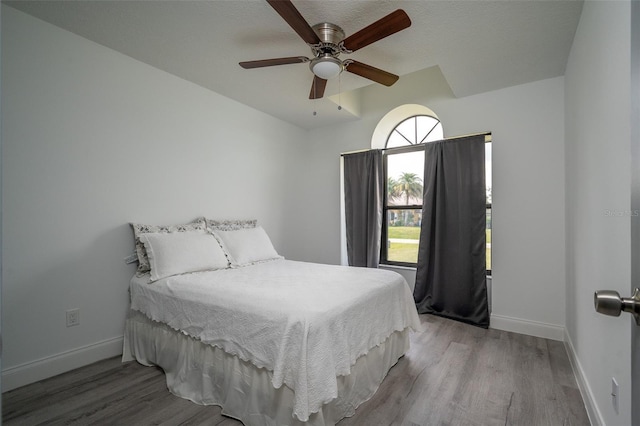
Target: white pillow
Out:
[182,252]
[139,229]
[247,246]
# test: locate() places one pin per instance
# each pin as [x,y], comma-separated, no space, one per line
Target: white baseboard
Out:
[43,368]
[530,328]
[595,417]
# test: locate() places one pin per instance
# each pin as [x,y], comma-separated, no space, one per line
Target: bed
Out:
[270,340]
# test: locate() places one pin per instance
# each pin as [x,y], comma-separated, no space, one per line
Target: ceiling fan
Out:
[327,41]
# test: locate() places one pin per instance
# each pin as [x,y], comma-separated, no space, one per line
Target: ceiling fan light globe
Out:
[326,68]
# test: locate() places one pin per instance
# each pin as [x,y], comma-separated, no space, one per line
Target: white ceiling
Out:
[479,45]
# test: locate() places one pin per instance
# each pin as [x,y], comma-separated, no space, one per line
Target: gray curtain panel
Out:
[451,276]
[363,193]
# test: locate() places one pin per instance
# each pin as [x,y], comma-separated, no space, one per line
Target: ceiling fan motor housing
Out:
[329,33]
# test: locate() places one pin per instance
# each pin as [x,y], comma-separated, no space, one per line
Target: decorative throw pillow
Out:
[247,246]
[182,252]
[139,229]
[230,225]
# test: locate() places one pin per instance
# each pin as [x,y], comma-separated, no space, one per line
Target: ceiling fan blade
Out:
[317,87]
[390,24]
[290,14]
[271,62]
[372,73]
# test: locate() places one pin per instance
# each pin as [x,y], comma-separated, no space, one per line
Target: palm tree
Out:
[409,185]
[392,189]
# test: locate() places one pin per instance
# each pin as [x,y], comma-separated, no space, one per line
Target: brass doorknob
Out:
[609,302]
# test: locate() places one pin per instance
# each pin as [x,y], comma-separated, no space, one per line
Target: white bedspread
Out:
[307,323]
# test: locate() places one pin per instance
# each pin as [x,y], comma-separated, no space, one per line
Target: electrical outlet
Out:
[615,389]
[133,257]
[73,317]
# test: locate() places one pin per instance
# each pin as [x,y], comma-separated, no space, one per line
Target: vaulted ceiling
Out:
[478,45]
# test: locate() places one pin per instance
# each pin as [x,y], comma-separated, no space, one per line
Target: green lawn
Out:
[402,252]
[399,252]
[488,249]
[404,232]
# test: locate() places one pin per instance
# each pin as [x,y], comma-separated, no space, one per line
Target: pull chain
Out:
[315,95]
[339,91]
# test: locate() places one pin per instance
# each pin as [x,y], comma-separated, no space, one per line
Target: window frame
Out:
[423,140]
[489,203]
[488,208]
[386,207]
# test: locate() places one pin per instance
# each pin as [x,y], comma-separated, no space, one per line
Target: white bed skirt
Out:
[207,375]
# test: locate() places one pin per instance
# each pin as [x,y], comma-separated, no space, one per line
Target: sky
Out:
[413,162]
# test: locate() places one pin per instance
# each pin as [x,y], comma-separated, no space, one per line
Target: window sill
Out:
[405,268]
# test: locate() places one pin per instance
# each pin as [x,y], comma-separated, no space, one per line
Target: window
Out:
[404,174]
[404,170]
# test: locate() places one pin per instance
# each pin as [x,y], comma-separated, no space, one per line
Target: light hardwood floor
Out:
[454,374]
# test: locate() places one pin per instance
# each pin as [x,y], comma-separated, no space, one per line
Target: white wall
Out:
[93,140]
[598,176]
[527,123]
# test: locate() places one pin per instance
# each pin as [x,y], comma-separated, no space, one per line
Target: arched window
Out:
[397,116]
[407,128]
[415,130]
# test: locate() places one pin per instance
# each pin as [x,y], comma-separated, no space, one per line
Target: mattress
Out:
[306,324]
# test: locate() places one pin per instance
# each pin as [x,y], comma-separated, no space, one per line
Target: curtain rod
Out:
[445,139]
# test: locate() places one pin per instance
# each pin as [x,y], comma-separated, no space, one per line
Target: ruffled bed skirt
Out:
[207,375]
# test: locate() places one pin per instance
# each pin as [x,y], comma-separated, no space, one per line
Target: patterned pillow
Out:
[230,225]
[139,229]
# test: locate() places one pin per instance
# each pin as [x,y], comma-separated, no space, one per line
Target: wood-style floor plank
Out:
[454,374]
